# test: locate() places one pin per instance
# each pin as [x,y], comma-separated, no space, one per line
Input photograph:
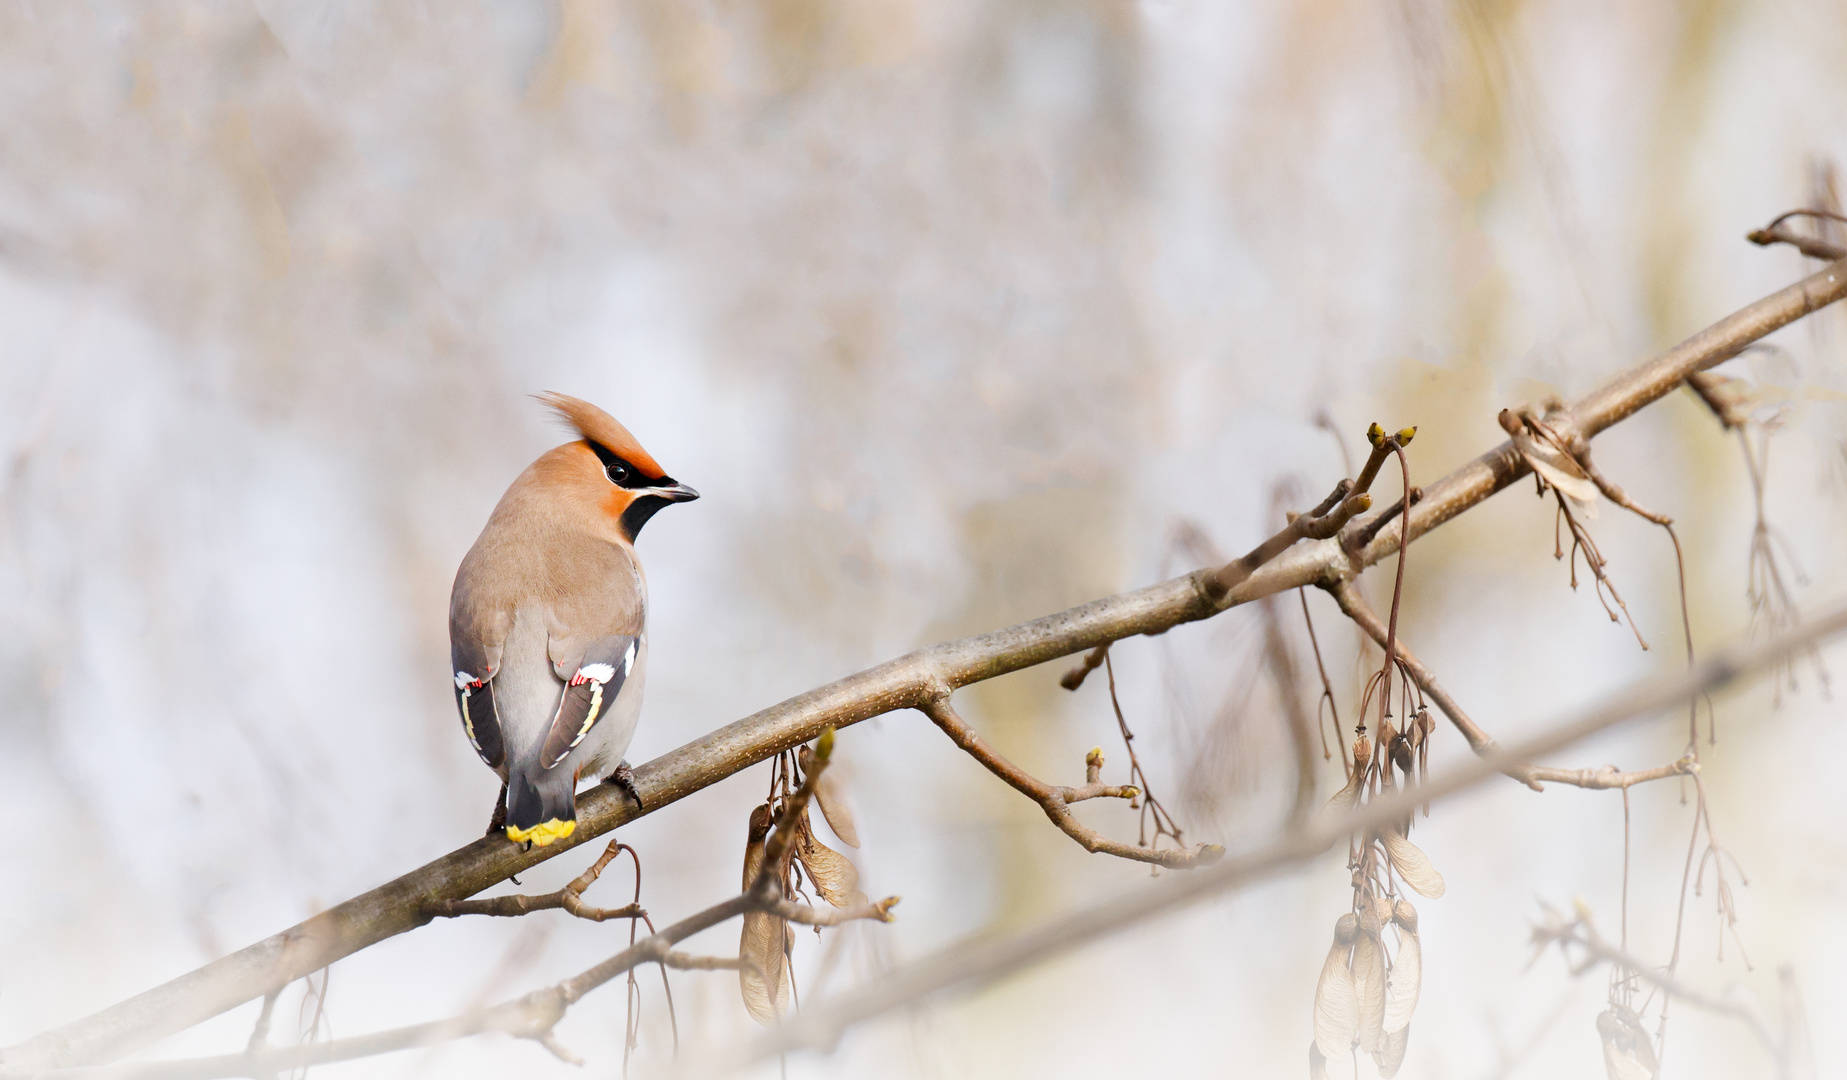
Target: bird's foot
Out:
[624,778]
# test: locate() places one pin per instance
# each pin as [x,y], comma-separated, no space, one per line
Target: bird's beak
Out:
[674,492]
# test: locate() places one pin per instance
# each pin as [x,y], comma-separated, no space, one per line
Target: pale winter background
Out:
[954,311]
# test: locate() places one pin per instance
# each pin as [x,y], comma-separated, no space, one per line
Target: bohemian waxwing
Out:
[548,622]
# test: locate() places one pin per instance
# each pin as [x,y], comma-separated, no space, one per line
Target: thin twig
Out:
[1327,687]
[1325,520]
[1056,801]
[1610,778]
[569,898]
[1814,247]
[1347,595]
[1483,744]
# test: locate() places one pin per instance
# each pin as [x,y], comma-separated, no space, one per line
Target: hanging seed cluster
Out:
[1370,980]
[765,947]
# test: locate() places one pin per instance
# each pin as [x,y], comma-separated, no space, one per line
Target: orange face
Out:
[630,486]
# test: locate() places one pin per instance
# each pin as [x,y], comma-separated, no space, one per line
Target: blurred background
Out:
[958,314]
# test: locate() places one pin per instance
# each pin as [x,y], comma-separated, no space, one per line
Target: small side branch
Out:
[1318,524]
[1056,801]
[1364,533]
[1779,232]
[1609,777]
[1356,608]
[1533,776]
[570,898]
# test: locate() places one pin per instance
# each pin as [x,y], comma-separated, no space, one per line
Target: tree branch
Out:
[1056,801]
[1608,777]
[569,898]
[905,683]
[1355,607]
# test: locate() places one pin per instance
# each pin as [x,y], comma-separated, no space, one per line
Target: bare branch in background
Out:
[1773,609]
[1302,727]
[905,683]
[1610,778]
[1578,934]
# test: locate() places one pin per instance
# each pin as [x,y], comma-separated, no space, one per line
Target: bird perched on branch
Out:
[548,622]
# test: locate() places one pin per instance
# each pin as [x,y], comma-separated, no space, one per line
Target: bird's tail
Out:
[541,811]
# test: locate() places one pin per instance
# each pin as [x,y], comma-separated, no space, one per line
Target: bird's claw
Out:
[624,778]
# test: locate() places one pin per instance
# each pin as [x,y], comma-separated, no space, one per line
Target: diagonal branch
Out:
[1362,614]
[1355,607]
[907,682]
[1318,524]
[1056,801]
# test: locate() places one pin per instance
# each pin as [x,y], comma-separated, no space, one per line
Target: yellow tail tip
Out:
[543,833]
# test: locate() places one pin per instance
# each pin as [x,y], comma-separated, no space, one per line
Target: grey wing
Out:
[476,634]
[480,718]
[588,695]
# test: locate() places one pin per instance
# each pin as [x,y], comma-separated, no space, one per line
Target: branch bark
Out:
[908,682]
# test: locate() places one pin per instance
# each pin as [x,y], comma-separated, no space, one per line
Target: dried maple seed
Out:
[1369,980]
[1405,980]
[1336,999]
[1412,865]
[763,974]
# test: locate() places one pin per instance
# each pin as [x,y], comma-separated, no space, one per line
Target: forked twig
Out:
[570,898]
[1056,801]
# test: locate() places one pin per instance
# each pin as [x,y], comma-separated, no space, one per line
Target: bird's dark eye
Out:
[617,472]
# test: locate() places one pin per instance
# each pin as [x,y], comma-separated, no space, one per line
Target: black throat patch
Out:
[639,512]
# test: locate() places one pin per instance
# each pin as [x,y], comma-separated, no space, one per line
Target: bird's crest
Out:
[601,428]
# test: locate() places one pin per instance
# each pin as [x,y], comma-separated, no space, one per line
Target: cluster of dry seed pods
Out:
[764,974]
[1369,984]
[1366,994]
